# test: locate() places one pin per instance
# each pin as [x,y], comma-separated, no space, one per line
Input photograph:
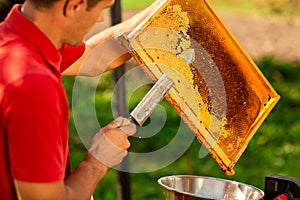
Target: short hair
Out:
[43,3]
[92,3]
[49,3]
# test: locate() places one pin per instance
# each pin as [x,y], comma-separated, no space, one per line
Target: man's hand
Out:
[110,144]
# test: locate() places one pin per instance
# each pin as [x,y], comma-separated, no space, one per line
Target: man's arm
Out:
[108,148]
[105,48]
[80,185]
[95,61]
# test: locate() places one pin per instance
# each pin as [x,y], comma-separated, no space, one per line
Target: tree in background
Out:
[5,6]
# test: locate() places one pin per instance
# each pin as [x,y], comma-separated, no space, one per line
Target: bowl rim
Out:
[203,177]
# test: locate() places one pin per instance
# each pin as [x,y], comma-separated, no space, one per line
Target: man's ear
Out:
[71,7]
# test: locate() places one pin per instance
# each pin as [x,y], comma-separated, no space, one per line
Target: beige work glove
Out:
[110,144]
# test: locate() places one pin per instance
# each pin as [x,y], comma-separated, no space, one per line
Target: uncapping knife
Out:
[155,95]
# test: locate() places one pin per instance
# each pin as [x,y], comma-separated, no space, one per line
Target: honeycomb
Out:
[218,90]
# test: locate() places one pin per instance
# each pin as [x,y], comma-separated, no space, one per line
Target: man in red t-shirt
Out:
[39,42]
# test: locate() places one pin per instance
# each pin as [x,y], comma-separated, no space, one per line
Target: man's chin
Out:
[75,44]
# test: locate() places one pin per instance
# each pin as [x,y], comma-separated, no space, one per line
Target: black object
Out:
[276,185]
[121,108]
[5,7]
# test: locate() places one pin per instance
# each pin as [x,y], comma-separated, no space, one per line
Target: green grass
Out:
[134,4]
[274,149]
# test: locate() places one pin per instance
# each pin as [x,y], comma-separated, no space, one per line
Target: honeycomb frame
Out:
[219,92]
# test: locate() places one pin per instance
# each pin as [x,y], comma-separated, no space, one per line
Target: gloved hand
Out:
[110,144]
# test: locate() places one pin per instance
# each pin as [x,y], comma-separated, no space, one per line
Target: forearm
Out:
[80,185]
[104,57]
[98,58]
[83,181]
[104,51]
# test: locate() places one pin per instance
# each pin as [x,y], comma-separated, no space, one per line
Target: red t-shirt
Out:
[33,105]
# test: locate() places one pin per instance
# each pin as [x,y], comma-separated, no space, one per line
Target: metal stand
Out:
[121,108]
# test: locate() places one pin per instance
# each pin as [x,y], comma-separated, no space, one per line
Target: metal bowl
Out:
[183,187]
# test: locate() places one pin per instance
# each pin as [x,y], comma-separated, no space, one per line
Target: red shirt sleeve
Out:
[70,54]
[37,134]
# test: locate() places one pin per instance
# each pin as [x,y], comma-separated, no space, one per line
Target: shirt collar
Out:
[19,23]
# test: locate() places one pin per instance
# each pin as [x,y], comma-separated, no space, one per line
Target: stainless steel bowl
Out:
[183,187]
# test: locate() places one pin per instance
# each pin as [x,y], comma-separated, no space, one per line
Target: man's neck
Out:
[45,19]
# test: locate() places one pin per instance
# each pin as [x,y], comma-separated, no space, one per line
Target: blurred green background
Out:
[274,149]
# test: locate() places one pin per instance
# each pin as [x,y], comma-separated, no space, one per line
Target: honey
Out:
[218,90]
